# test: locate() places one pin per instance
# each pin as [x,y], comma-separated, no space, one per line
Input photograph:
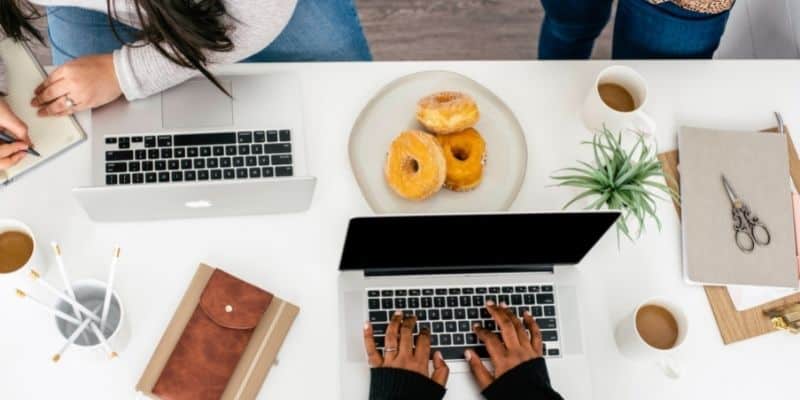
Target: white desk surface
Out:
[296,256]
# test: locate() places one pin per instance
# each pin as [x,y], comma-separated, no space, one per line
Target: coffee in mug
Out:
[616,101]
[16,249]
[657,326]
[616,97]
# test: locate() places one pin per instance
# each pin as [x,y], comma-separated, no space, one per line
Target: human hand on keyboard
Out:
[400,351]
[515,348]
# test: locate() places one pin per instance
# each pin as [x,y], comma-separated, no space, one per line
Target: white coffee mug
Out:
[16,276]
[596,113]
[631,344]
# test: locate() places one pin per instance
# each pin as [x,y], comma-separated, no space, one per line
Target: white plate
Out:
[393,110]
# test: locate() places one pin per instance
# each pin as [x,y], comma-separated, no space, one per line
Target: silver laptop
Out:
[444,268]
[194,152]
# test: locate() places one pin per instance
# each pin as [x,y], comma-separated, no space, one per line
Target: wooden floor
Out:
[449,30]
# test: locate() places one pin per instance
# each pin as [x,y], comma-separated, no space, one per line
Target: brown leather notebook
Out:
[221,342]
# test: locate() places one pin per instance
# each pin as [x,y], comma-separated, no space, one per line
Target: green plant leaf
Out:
[578,197]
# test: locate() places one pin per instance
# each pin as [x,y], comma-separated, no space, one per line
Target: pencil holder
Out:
[91,294]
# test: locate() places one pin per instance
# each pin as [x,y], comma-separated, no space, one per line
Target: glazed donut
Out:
[447,112]
[415,166]
[465,155]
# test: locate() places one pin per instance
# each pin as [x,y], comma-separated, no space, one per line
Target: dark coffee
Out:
[16,249]
[657,326]
[616,97]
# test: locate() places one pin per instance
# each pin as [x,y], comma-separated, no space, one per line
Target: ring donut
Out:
[447,112]
[415,166]
[465,155]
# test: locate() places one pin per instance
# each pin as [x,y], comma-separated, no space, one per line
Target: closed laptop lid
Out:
[472,242]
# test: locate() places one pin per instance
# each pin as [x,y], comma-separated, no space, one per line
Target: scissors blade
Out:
[729,190]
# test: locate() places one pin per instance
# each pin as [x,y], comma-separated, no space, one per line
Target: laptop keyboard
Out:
[138,159]
[450,312]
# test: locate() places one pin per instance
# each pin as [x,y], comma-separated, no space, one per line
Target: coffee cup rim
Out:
[636,74]
[679,316]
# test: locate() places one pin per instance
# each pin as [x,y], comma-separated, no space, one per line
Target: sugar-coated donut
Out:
[465,155]
[415,166]
[447,112]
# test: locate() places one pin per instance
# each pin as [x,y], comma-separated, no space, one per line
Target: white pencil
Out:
[35,275]
[109,285]
[111,353]
[58,313]
[71,339]
[65,278]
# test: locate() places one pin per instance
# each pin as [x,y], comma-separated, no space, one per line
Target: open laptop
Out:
[192,151]
[444,268]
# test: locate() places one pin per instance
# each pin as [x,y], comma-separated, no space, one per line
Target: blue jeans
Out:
[641,30]
[318,31]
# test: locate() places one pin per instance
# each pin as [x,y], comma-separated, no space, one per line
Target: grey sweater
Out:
[142,71]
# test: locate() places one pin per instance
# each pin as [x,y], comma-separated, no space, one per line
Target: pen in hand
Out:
[8,139]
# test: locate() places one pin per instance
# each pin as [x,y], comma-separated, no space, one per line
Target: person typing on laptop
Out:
[401,373]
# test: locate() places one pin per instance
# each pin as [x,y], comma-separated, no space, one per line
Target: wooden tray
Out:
[737,325]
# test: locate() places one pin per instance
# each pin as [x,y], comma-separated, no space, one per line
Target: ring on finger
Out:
[69,102]
[390,349]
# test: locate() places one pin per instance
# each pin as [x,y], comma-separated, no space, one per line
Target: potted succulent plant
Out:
[629,180]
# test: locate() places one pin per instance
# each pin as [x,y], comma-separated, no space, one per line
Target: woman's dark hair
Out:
[181,30]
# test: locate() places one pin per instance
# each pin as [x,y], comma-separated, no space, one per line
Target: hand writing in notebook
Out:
[11,154]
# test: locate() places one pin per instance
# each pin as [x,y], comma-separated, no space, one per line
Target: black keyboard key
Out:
[516,299]
[229,173]
[111,140]
[283,171]
[250,161]
[186,164]
[241,173]
[468,290]
[256,149]
[423,326]
[439,302]
[549,311]
[413,302]
[522,310]
[151,177]
[458,339]
[259,136]
[452,301]
[201,139]
[491,297]
[238,162]
[446,340]
[125,155]
[212,163]
[165,141]
[112,168]
[380,341]
[205,151]
[546,323]
[387,304]
[457,353]
[421,315]
[441,292]
[163,176]
[177,176]
[503,298]
[471,338]
[550,336]
[480,290]
[464,301]
[199,163]
[426,302]
[230,150]
[149,141]
[400,292]
[547,288]
[190,175]
[255,172]
[153,154]
[533,289]
[277,148]
[202,175]
[141,154]
[225,162]
[434,314]
[434,341]
[124,143]
[473,313]
[216,174]
[427,292]
[137,139]
[111,179]
[508,289]
[124,179]
[138,178]
[166,153]
[544,298]
[460,313]
[399,303]
[490,325]
[272,136]
[494,289]
[244,150]
[134,166]
[245,137]
[463,326]
[552,352]
[536,311]
[285,135]
[282,160]
[529,299]
[454,291]
[374,304]
[161,165]
[379,329]
[485,313]
[373,293]
[180,153]
[173,164]
[378,316]
[477,301]
[263,160]
[267,172]
[192,152]
[438,327]
[414,292]
[219,151]
[520,289]
[447,314]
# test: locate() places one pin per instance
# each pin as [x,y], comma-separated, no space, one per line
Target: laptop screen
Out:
[484,242]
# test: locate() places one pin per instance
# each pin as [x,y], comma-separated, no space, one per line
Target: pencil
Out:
[111,353]
[65,279]
[8,139]
[109,285]
[58,313]
[35,275]
[71,339]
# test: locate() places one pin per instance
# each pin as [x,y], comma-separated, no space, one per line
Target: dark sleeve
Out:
[400,384]
[528,380]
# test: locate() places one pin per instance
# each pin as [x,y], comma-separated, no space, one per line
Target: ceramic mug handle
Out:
[670,368]
[644,123]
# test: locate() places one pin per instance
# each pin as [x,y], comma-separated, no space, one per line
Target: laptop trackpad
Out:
[197,104]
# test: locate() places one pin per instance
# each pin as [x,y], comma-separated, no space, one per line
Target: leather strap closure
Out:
[233,303]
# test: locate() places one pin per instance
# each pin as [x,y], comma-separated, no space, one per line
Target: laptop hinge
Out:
[458,270]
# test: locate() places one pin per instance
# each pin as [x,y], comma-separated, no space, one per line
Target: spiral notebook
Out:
[51,136]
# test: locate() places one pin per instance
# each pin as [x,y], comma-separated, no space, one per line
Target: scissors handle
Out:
[760,234]
[745,241]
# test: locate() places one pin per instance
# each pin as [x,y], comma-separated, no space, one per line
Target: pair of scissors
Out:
[749,231]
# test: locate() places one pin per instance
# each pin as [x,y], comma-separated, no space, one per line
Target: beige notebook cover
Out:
[50,136]
[257,359]
[757,167]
